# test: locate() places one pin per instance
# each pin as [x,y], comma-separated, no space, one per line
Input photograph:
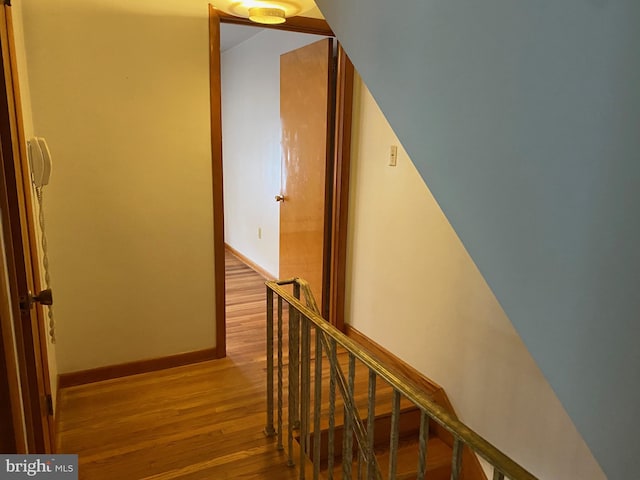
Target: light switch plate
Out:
[393,155]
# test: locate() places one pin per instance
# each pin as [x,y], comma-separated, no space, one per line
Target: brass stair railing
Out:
[304,324]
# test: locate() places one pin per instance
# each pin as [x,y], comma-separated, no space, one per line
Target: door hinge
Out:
[49,400]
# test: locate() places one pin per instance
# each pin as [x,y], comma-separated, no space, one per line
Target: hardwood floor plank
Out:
[197,421]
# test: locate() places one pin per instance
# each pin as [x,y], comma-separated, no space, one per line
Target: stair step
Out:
[438,461]
[440,452]
[408,426]
[384,392]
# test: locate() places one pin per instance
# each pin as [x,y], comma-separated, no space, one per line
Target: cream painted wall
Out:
[407,268]
[122,97]
[251,143]
[27,116]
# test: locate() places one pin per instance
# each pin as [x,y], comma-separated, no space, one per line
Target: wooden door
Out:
[19,235]
[305,78]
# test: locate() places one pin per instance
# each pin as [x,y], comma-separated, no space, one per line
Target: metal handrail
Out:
[504,467]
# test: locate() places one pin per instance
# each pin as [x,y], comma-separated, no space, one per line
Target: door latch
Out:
[44,297]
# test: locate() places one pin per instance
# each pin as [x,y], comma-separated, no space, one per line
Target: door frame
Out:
[24,338]
[338,202]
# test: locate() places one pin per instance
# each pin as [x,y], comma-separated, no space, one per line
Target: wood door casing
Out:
[305,120]
[215,91]
[20,243]
[340,190]
[340,163]
[12,366]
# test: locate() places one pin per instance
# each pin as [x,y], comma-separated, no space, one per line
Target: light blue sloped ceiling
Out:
[523,117]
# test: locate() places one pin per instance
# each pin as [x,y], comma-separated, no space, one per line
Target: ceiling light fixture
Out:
[269,16]
[268,12]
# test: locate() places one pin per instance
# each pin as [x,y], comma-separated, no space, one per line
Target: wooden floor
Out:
[202,421]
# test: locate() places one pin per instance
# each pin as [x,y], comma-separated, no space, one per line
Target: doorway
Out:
[338,127]
[25,385]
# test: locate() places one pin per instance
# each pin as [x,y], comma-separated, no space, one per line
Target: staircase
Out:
[438,465]
[341,413]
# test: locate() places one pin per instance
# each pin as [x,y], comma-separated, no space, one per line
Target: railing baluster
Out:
[327,339]
[358,429]
[305,395]
[352,373]
[347,441]
[292,389]
[280,368]
[395,434]
[317,407]
[295,322]
[456,460]
[332,410]
[371,422]
[269,430]
[422,446]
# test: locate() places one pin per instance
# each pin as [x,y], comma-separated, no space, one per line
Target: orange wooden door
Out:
[305,116]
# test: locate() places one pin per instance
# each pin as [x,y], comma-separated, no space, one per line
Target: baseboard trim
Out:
[109,372]
[252,265]
[397,364]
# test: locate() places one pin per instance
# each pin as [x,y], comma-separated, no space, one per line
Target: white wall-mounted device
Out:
[40,161]
[40,165]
